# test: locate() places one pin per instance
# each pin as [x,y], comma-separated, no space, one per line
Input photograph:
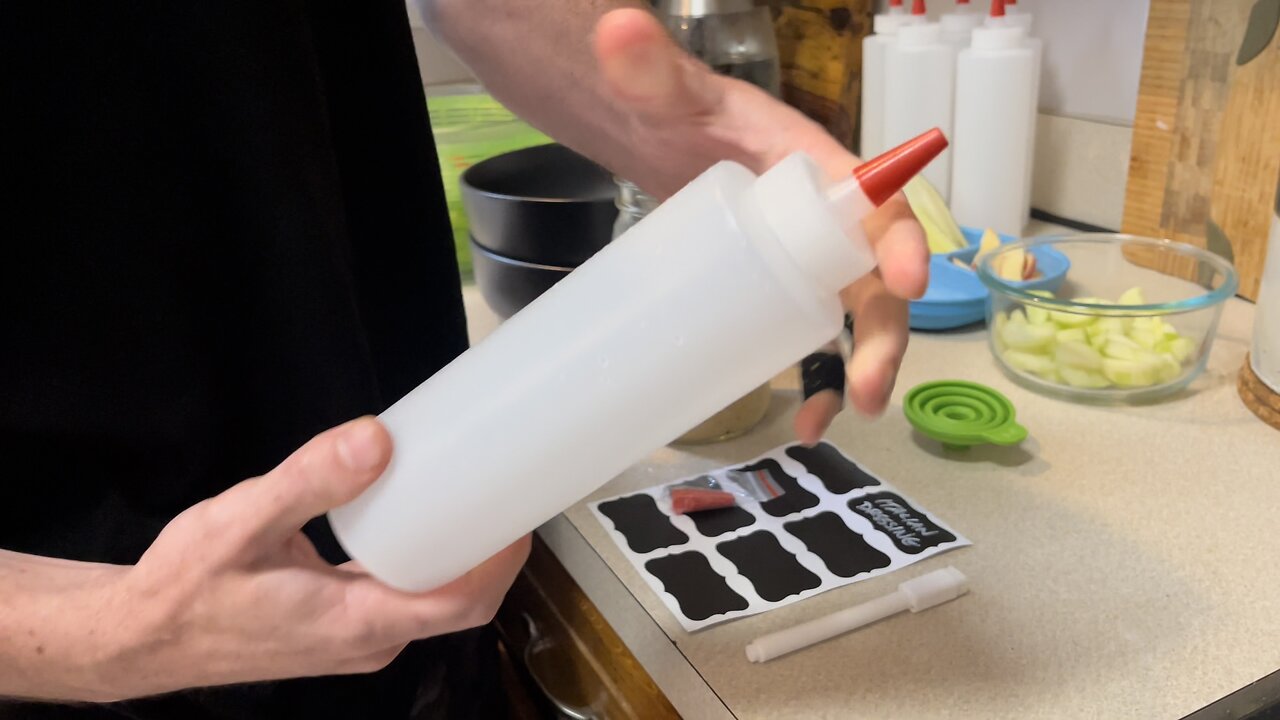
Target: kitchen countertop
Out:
[1124,560]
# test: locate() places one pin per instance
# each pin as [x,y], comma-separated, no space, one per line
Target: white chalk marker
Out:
[915,595]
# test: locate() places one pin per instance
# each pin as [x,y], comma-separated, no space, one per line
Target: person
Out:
[225,233]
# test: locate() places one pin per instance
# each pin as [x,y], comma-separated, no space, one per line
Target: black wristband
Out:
[822,371]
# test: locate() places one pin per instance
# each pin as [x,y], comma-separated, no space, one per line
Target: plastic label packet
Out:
[706,492]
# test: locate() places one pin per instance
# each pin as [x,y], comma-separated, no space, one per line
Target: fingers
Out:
[901,251]
[380,616]
[644,69]
[822,377]
[330,470]
[815,415]
[879,341]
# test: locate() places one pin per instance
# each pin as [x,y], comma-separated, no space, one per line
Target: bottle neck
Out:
[920,35]
[999,38]
[824,238]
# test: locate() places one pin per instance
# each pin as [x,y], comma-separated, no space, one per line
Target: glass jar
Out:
[735,37]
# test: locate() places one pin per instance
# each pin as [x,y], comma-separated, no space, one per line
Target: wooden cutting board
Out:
[1206,141]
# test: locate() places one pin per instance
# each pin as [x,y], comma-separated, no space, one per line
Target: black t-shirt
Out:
[223,232]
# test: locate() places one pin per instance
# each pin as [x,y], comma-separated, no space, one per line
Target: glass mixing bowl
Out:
[1118,329]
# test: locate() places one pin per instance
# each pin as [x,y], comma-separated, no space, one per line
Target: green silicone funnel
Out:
[960,414]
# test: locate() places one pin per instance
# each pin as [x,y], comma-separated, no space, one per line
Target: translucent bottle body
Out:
[689,310]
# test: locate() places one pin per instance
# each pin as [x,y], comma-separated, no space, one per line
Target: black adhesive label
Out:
[793,498]
[775,573]
[843,551]
[639,520]
[714,523]
[837,473]
[910,530]
[700,591]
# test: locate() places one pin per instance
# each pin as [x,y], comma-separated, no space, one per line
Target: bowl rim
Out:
[466,184]
[1209,298]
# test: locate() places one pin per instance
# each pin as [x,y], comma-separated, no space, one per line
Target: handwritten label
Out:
[912,531]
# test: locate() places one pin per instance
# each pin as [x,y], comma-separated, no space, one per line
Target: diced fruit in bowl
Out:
[989,243]
[1014,265]
[1089,351]
[1105,345]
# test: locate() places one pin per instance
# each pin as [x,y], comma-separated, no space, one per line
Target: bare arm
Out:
[230,592]
[608,82]
[50,625]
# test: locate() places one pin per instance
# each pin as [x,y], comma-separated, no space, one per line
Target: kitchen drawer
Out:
[566,655]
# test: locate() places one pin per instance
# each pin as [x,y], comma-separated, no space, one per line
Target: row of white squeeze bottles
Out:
[726,284]
[960,70]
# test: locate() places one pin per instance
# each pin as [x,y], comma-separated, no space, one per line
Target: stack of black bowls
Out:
[535,215]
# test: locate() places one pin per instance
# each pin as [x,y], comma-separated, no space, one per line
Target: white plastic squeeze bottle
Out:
[919,88]
[885,27]
[1017,15]
[1010,15]
[729,282]
[994,129]
[958,25]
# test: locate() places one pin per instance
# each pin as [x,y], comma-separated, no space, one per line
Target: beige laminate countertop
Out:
[1125,563]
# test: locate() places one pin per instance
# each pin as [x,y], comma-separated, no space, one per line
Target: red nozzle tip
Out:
[962,2]
[997,8]
[1011,2]
[884,175]
[895,3]
[917,7]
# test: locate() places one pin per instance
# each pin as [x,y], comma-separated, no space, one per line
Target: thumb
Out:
[330,470]
[647,72]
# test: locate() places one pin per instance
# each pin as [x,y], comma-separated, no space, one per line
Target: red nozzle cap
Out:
[1011,2]
[997,8]
[884,175]
[962,2]
[917,7]
[895,3]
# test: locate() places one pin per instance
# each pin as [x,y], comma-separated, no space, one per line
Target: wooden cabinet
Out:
[562,659]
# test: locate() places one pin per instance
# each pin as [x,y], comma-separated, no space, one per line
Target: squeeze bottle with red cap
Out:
[885,26]
[729,282]
[1010,15]
[994,128]
[1017,16]
[920,80]
[958,25]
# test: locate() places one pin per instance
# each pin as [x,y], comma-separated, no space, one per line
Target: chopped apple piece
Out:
[1025,336]
[1078,355]
[989,243]
[1130,373]
[1070,319]
[1121,348]
[1030,362]
[1011,263]
[1072,335]
[1077,377]
[1029,267]
[1181,348]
